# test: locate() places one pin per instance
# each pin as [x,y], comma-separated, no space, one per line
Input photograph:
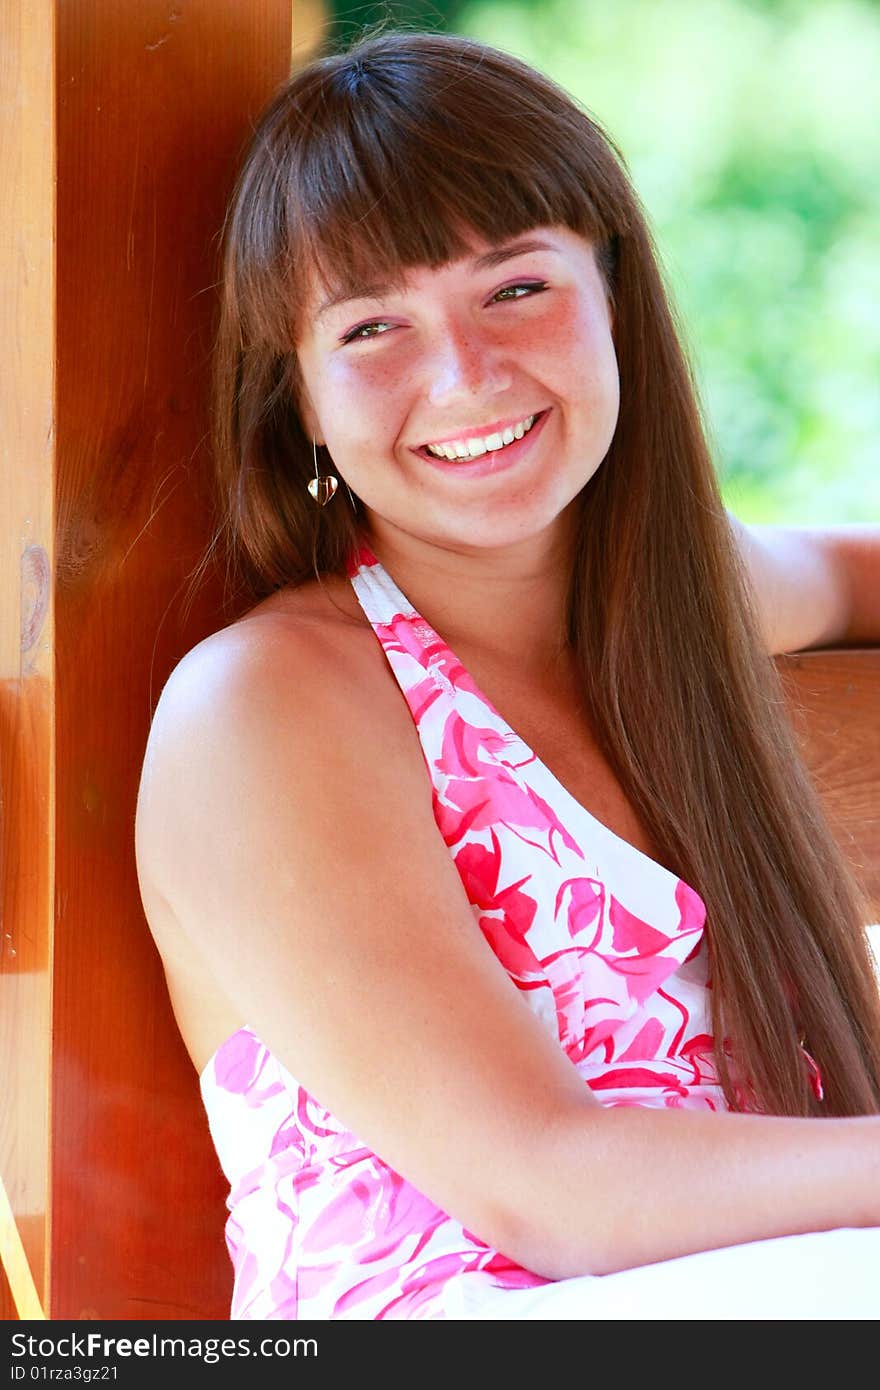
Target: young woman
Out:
[499,914]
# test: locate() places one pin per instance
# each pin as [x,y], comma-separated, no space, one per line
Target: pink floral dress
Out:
[605,944]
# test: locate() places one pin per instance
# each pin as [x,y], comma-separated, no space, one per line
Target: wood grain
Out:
[27,675]
[8,1310]
[834,704]
[155,102]
[120,134]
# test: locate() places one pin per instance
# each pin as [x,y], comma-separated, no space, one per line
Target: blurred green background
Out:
[750,129]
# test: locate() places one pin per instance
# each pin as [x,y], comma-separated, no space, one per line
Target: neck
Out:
[508,604]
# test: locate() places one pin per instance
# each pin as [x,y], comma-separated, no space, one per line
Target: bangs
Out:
[379,206]
[394,163]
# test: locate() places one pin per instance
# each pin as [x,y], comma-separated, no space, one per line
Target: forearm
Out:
[814,586]
[634,1185]
[854,551]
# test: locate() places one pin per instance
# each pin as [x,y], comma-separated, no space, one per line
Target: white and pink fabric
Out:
[607,947]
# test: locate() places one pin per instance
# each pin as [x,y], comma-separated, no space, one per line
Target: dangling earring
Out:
[323,486]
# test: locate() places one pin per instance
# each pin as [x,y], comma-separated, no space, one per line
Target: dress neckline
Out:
[522,754]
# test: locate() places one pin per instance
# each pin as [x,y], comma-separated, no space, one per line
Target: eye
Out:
[517,291]
[366,330]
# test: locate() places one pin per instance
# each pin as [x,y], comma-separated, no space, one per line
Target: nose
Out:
[466,366]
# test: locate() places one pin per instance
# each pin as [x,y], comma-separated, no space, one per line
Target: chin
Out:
[493,531]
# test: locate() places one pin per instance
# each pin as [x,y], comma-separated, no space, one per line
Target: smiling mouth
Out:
[462,450]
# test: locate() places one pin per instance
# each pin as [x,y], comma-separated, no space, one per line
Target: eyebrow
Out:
[497,256]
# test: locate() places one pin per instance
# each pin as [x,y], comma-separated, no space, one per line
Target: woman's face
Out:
[503,360]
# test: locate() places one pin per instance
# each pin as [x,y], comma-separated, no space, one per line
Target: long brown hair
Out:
[386,157]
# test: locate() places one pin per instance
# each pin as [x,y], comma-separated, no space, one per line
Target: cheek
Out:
[361,395]
[350,401]
[362,411]
[577,352]
[602,391]
[604,375]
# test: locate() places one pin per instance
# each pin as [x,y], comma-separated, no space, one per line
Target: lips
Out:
[490,461]
[473,442]
[468,445]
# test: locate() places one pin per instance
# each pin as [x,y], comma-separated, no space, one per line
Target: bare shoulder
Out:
[297,651]
[320,630]
[286,707]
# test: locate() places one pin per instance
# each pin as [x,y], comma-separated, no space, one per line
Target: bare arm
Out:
[815,586]
[292,834]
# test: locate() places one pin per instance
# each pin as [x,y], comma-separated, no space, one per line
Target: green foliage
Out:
[348,19]
[750,130]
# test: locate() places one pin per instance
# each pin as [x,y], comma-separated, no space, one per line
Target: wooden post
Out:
[27,676]
[120,130]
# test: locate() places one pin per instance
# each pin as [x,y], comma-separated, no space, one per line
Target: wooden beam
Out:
[122,128]
[27,670]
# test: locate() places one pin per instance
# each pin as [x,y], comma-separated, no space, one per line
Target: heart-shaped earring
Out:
[323,486]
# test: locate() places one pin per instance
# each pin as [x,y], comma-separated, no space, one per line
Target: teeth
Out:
[490,443]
